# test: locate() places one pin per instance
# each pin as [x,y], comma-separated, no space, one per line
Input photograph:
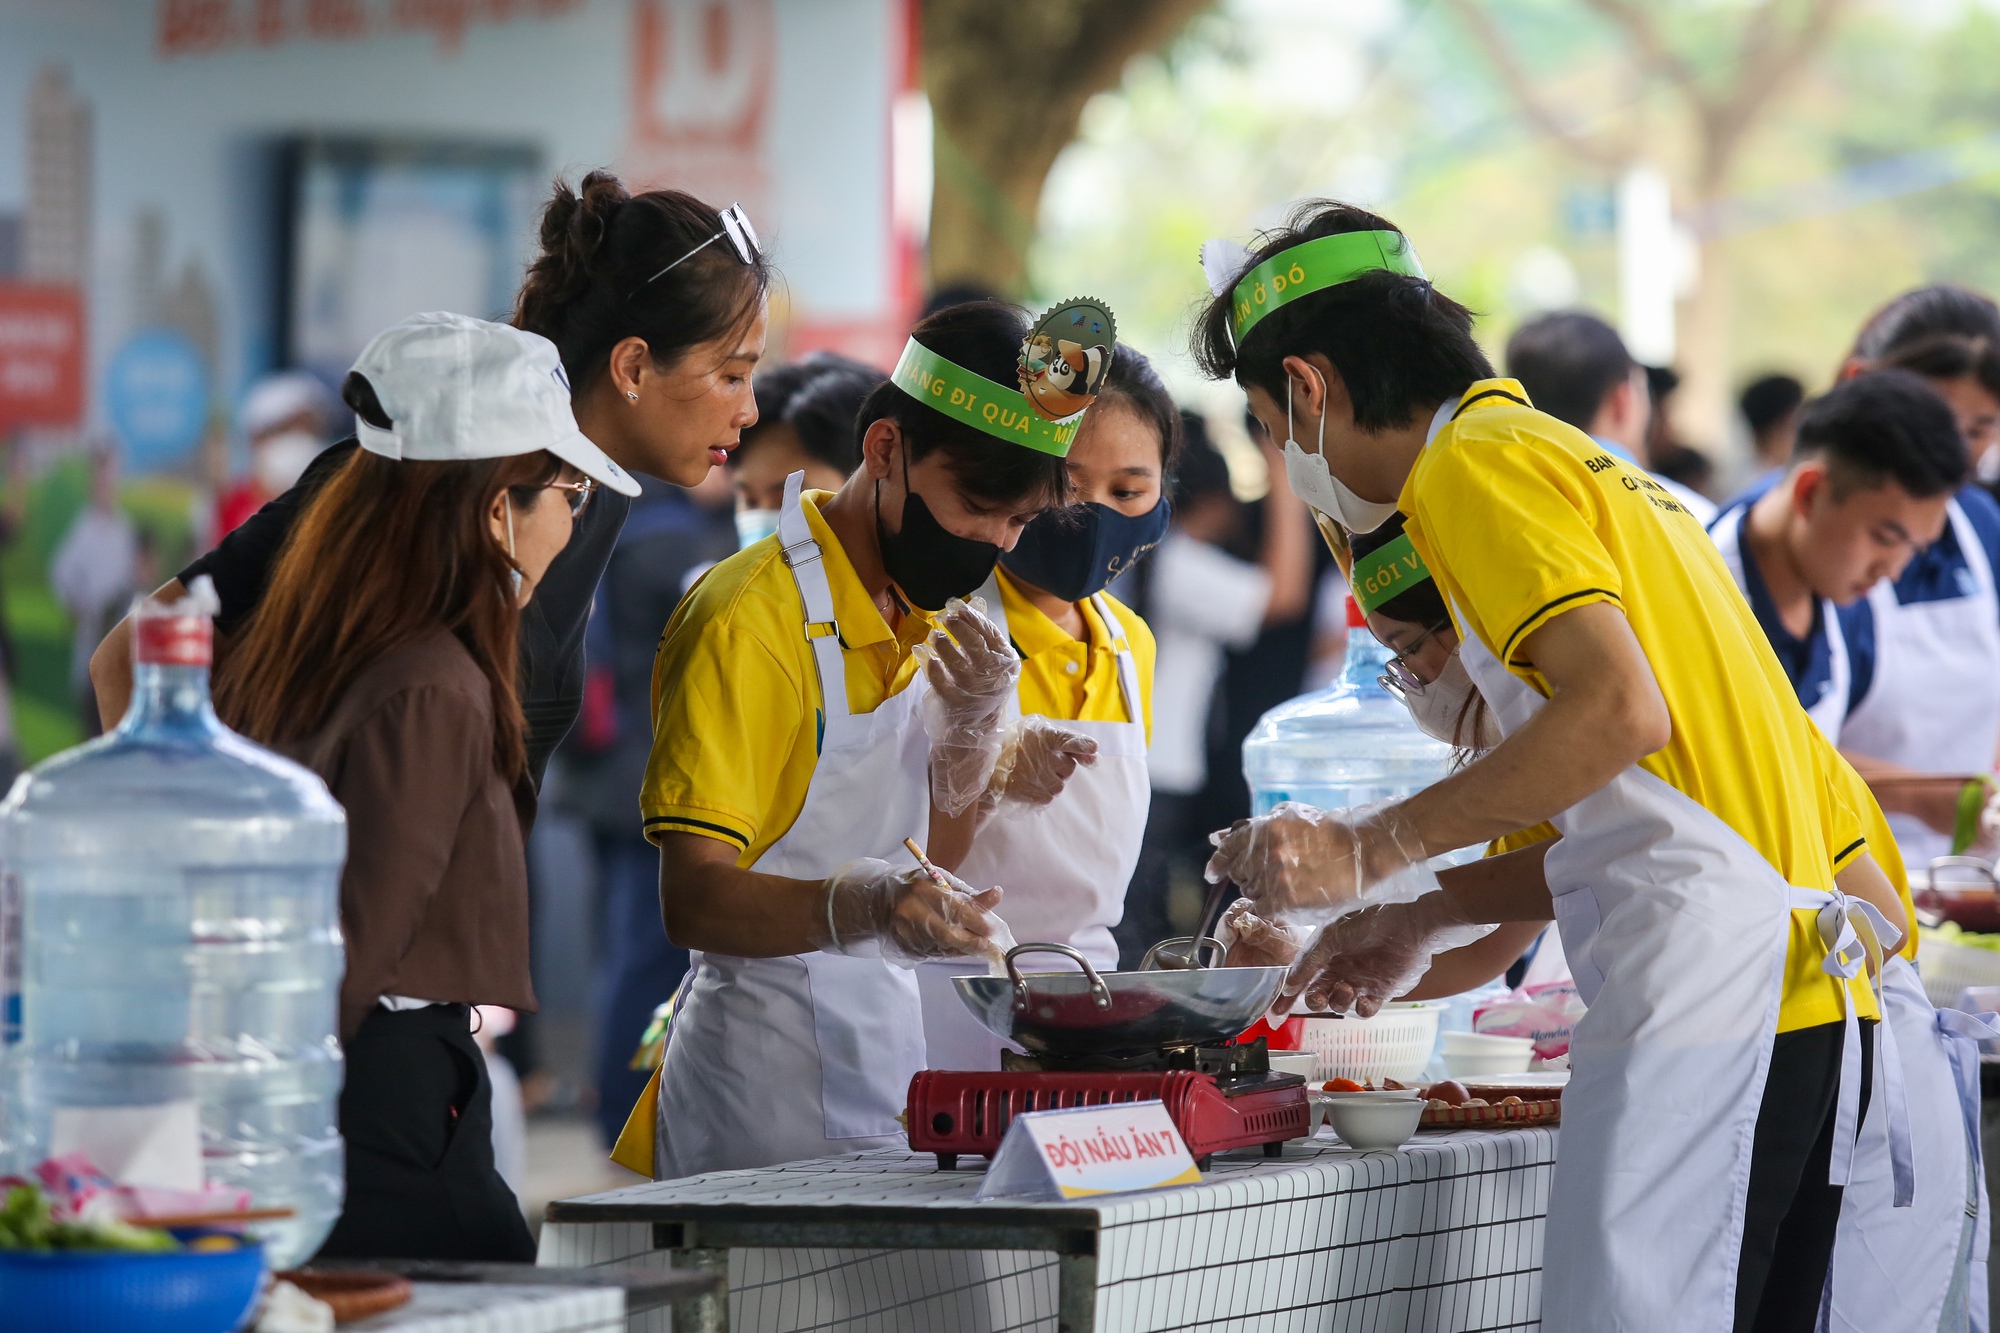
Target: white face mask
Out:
[754,525]
[1440,711]
[1313,481]
[280,461]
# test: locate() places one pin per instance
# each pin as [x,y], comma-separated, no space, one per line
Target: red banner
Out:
[41,355]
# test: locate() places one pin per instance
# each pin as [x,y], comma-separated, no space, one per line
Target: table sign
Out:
[1089,1150]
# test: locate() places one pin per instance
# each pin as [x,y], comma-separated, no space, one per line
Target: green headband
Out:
[1001,410]
[1386,572]
[1315,266]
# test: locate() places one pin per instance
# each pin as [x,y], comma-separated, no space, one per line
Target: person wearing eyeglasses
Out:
[656,304]
[1722,1068]
[383,656]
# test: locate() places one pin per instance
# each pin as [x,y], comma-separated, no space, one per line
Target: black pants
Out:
[1789,1226]
[417,1114]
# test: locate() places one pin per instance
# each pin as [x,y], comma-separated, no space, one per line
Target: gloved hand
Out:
[1366,959]
[1037,757]
[1304,863]
[972,670]
[1250,941]
[872,909]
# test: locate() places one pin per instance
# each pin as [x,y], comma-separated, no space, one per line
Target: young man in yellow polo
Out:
[1719,1076]
[818,698]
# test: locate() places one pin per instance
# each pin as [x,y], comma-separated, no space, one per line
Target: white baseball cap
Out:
[456,388]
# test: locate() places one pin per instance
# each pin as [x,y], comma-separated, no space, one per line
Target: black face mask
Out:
[1074,553]
[930,564]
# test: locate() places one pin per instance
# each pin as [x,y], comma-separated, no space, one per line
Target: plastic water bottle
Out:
[1348,744]
[170,933]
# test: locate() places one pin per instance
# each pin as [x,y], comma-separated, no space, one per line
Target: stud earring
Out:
[633,396]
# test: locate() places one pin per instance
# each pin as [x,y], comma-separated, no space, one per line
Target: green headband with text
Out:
[1001,410]
[1315,266]
[1386,572]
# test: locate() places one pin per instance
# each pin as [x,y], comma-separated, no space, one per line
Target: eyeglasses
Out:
[736,229]
[1400,680]
[579,493]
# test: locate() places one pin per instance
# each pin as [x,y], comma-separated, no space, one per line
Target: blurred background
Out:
[207,206]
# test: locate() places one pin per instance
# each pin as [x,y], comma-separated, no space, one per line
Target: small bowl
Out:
[1374,1123]
[1482,1054]
[1293,1062]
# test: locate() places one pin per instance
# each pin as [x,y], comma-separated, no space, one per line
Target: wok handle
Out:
[1100,993]
[1196,947]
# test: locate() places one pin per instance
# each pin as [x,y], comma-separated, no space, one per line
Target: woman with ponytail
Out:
[656,305]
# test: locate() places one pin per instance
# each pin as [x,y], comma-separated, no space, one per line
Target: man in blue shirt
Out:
[1863,513]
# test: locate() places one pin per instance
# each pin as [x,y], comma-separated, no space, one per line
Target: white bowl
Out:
[1374,1123]
[1293,1062]
[1482,1054]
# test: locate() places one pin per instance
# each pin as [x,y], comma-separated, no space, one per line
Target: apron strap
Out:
[1128,668]
[802,555]
[1962,1033]
[1853,931]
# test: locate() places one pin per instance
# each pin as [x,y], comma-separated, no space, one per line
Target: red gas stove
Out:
[1218,1097]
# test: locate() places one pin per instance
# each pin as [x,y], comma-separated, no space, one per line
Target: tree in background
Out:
[1722,70]
[1007,84]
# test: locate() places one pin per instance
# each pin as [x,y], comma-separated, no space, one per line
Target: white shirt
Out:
[1201,601]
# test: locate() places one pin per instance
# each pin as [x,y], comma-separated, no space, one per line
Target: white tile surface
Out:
[1443,1235]
[473,1307]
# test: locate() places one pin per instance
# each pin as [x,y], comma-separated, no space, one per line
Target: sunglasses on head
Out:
[736,229]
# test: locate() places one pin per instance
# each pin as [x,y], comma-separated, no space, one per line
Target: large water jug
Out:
[1347,744]
[170,934]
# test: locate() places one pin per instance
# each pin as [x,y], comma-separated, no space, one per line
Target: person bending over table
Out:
[1644,715]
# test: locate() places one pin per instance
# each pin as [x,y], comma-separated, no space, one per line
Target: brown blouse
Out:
[434,899]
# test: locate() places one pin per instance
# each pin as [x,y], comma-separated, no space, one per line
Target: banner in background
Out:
[41,355]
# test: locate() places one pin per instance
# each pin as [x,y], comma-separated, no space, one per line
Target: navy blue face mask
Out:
[1075,552]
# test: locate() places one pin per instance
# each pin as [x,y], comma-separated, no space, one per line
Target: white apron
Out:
[1829,711]
[1676,933]
[779,1059]
[1922,1267]
[1935,702]
[1064,867]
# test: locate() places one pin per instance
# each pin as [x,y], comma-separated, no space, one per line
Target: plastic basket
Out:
[1396,1043]
[1948,968]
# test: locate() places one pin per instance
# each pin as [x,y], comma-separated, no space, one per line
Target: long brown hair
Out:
[387,552]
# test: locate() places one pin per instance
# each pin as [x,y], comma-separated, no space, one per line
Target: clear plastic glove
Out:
[1368,958]
[1037,757]
[871,909]
[972,671]
[1248,940]
[1306,864]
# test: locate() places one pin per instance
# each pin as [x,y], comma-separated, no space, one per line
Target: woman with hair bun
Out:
[656,305]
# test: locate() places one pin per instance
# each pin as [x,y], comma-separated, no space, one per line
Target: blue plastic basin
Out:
[90,1291]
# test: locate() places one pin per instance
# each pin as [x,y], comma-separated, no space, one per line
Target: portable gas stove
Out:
[1217,1096]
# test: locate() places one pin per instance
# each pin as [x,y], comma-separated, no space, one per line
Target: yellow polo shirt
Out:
[1522,518]
[736,699]
[1076,680]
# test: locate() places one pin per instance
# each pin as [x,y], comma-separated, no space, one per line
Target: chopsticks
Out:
[937,876]
[210,1219]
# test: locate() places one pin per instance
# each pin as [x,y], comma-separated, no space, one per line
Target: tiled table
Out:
[1444,1235]
[464,1307]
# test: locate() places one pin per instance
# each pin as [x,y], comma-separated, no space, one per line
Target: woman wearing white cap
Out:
[383,656]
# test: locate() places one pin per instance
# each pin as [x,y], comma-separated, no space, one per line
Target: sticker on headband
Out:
[1066,357]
